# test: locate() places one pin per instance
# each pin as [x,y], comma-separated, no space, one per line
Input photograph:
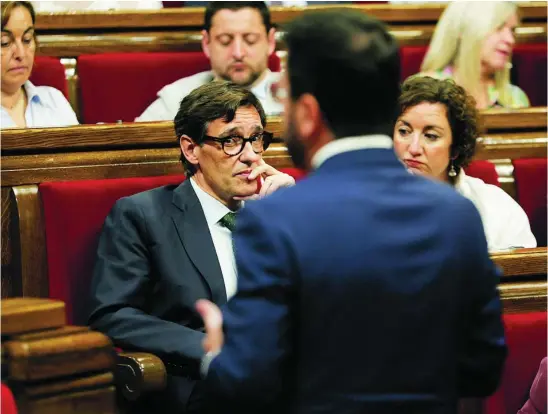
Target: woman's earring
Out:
[452,171]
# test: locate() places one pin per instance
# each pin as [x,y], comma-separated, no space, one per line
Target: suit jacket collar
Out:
[191,224]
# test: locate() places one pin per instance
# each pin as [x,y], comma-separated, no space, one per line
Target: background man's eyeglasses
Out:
[234,144]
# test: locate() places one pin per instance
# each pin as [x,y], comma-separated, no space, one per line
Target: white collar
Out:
[31,91]
[214,210]
[341,145]
[262,89]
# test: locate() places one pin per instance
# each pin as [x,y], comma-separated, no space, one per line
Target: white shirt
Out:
[46,107]
[170,96]
[214,211]
[340,145]
[505,223]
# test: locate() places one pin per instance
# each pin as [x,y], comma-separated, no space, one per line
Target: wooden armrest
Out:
[137,373]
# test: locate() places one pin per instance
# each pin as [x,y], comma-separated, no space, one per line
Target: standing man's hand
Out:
[272,180]
[213,322]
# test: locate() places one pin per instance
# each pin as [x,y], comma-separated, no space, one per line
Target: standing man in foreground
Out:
[363,289]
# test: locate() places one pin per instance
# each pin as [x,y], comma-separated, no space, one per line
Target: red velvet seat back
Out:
[526,339]
[7,401]
[531,182]
[411,58]
[120,86]
[49,71]
[483,170]
[529,71]
[74,212]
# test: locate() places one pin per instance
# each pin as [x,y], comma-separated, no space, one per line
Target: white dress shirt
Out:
[505,223]
[46,107]
[340,145]
[170,96]
[214,211]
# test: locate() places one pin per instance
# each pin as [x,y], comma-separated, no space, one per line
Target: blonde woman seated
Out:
[473,44]
[435,136]
[23,104]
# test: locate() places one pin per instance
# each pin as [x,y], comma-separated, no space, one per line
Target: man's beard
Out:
[247,82]
[295,148]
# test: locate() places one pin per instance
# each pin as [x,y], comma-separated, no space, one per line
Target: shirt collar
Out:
[341,145]
[262,89]
[31,91]
[214,210]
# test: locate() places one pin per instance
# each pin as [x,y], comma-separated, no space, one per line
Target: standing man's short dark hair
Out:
[351,66]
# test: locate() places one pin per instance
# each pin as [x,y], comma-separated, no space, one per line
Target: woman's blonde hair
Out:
[458,41]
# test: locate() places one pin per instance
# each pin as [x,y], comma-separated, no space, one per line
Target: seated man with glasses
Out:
[162,250]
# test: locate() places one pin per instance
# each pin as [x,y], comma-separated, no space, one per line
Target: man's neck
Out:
[199,181]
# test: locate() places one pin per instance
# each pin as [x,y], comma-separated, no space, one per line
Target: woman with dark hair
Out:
[23,104]
[435,136]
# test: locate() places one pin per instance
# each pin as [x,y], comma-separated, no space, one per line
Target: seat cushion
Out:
[74,212]
[530,177]
[411,58]
[526,338]
[7,401]
[529,71]
[49,71]
[483,170]
[120,86]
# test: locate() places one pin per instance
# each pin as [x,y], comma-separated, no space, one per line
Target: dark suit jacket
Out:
[363,289]
[155,259]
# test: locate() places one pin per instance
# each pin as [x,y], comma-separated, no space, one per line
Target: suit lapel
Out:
[189,219]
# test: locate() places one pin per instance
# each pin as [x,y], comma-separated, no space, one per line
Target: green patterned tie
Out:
[229,221]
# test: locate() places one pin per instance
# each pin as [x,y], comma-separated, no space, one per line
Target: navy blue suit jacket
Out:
[155,259]
[363,289]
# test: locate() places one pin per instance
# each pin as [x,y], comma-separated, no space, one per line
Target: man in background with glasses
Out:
[163,249]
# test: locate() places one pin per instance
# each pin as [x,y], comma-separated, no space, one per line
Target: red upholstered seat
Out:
[531,181]
[74,212]
[49,71]
[411,58]
[483,170]
[120,86]
[526,338]
[8,402]
[529,71]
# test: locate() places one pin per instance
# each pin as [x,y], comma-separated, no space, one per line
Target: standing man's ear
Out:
[205,42]
[271,36]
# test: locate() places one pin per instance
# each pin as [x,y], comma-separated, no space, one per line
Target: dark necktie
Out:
[229,221]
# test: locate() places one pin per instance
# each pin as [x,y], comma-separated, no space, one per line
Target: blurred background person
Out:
[60,6]
[472,44]
[23,104]
[238,38]
[435,136]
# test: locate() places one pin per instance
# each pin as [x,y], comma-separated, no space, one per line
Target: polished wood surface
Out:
[524,297]
[31,314]
[51,367]
[72,34]
[522,262]
[189,17]
[525,127]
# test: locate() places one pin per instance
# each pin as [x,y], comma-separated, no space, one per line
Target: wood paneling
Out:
[524,297]
[23,315]
[522,262]
[191,17]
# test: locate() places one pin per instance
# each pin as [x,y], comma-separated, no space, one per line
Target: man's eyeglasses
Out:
[234,144]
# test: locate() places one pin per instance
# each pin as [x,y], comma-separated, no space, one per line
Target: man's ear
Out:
[308,116]
[205,42]
[189,149]
[271,37]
